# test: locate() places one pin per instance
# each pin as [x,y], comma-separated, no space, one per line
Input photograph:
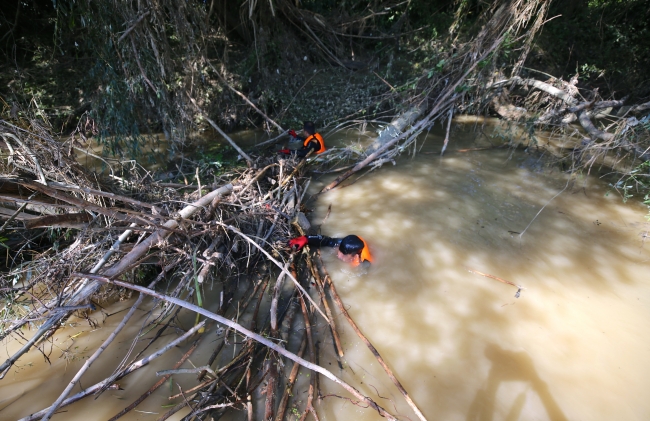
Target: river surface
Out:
[573,346]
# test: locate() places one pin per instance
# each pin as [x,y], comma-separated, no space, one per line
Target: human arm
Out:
[314,241]
[295,136]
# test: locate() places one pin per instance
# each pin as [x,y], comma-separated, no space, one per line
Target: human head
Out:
[354,250]
[309,127]
[351,245]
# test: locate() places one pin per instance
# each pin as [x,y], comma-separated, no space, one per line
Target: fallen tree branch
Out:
[640,107]
[444,143]
[155,387]
[371,347]
[142,16]
[273,140]
[278,264]
[130,369]
[586,123]
[583,112]
[443,101]
[194,370]
[222,133]
[276,296]
[542,86]
[15,214]
[86,289]
[65,219]
[596,105]
[487,275]
[161,234]
[282,407]
[120,215]
[242,330]
[93,358]
[259,175]
[320,286]
[116,197]
[39,170]
[245,98]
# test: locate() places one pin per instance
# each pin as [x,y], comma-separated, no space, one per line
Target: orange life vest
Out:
[365,252]
[320,140]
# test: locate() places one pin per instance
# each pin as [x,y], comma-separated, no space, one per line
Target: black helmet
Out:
[351,245]
[309,127]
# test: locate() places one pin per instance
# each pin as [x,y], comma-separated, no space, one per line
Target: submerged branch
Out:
[130,369]
[572,109]
[92,359]
[222,133]
[236,326]
[372,348]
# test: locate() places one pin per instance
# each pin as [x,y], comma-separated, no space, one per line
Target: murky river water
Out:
[573,346]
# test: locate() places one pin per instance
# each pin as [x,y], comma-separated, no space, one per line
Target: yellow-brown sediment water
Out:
[573,346]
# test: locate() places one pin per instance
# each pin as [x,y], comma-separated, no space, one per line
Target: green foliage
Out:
[608,41]
[588,71]
[216,159]
[507,46]
[636,183]
[463,88]
[119,130]
[143,61]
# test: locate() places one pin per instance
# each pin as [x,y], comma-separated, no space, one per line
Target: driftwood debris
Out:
[130,369]
[228,238]
[231,232]
[365,340]
[441,93]
[269,344]
[564,105]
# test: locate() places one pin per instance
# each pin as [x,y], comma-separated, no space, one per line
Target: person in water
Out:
[312,141]
[352,249]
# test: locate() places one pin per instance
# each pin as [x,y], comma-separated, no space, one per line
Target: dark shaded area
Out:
[511,366]
[134,69]
[606,42]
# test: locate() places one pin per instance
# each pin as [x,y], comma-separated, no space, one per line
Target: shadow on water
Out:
[445,330]
[511,366]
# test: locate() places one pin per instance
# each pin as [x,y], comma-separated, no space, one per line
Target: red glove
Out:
[298,242]
[284,151]
[293,133]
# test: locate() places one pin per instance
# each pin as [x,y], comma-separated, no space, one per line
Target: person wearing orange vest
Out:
[352,248]
[312,141]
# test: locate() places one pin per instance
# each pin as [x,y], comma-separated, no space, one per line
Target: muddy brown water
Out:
[573,346]
[158,154]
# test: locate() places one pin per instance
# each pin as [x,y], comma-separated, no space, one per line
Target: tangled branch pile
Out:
[557,104]
[189,238]
[470,80]
[455,85]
